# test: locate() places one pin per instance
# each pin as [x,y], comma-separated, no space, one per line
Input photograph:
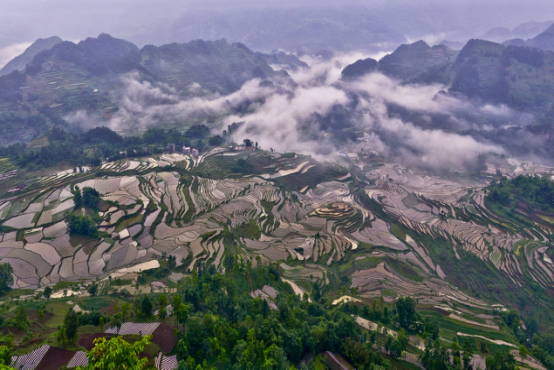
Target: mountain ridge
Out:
[90,76]
[523,31]
[20,61]
[517,76]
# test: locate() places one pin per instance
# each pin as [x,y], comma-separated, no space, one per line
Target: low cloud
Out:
[279,121]
[286,114]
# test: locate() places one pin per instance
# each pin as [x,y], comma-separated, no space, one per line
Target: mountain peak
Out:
[99,55]
[359,68]
[410,60]
[19,62]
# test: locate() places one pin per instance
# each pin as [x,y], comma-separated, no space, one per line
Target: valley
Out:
[202,206]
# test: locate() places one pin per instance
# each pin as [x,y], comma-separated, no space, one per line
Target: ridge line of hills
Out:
[517,76]
[69,77]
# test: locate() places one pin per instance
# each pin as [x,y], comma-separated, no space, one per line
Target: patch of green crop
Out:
[126,221]
[6,211]
[347,268]
[59,309]
[389,293]
[398,232]
[450,327]
[95,303]
[404,269]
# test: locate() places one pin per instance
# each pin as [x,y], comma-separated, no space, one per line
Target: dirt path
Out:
[296,288]
[495,341]
[456,317]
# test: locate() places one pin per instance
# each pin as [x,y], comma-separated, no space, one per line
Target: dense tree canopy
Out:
[99,144]
[82,225]
[535,191]
[91,197]
[117,353]
[407,316]
[6,277]
[71,324]
[229,329]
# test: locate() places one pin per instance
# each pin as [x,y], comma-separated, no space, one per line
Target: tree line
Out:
[100,144]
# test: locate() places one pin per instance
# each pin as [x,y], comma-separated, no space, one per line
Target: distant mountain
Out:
[89,76]
[477,71]
[523,31]
[19,62]
[456,45]
[418,62]
[515,42]
[518,76]
[359,68]
[498,34]
[68,68]
[281,58]
[97,56]
[544,40]
[96,62]
[308,29]
[215,65]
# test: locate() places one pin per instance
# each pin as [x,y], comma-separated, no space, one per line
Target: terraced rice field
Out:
[291,209]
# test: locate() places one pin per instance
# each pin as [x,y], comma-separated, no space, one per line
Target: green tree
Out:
[82,225]
[407,315]
[71,324]
[47,292]
[146,306]
[21,319]
[467,356]
[176,304]
[5,355]
[229,263]
[523,352]
[171,262]
[117,321]
[92,289]
[396,348]
[162,301]
[91,197]
[176,301]
[125,310]
[182,313]
[6,277]
[501,360]
[275,359]
[117,353]
[435,356]
[77,198]
[62,336]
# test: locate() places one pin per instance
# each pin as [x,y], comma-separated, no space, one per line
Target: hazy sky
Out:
[141,21]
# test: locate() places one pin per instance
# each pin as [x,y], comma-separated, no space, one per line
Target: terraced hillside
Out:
[389,229]
[346,230]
